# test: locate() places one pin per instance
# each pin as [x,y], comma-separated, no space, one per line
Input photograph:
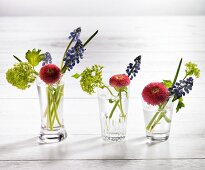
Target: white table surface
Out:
[161,41]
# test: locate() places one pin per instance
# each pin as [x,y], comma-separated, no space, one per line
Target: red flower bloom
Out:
[155,93]
[50,73]
[119,81]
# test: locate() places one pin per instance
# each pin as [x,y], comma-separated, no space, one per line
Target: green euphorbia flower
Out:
[192,69]
[90,79]
[21,75]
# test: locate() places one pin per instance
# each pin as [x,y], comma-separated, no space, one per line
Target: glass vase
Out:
[113,109]
[158,120]
[51,107]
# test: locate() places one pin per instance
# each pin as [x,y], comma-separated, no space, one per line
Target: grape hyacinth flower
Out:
[47,59]
[75,34]
[74,55]
[132,69]
[182,87]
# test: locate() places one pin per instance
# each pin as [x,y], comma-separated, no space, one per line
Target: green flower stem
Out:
[166,118]
[17,58]
[109,90]
[54,97]
[71,41]
[157,121]
[119,104]
[151,121]
[49,109]
[113,109]
[58,95]
[55,108]
[177,73]
[154,117]
[89,39]
[120,98]
[162,115]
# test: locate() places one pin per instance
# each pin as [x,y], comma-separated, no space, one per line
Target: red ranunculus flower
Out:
[50,73]
[119,81]
[155,93]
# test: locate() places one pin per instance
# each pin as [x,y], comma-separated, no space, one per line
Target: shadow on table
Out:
[21,144]
[142,141]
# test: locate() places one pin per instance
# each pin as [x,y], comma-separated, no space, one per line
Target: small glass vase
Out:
[113,109]
[158,120]
[51,107]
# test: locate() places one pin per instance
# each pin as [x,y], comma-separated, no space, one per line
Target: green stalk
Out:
[49,108]
[120,98]
[177,73]
[119,104]
[55,116]
[17,58]
[166,118]
[109,90]
[71,41]
[113,109]
[157,121]
[56,100]
[152,120]
[88,40]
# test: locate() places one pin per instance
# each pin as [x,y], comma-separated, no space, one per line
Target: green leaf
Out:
[167,83]
[180,104]
[76,75]
[111,101]
[17,58]
[177,73]
[34,57]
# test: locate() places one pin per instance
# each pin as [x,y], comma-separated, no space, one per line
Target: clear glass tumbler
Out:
[51,107]
[158,120]
[113,108]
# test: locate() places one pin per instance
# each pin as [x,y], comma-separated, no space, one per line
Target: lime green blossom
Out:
[91,78]
[21,75]
[192,69]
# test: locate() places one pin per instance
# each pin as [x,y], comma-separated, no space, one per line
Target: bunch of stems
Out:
[54,98]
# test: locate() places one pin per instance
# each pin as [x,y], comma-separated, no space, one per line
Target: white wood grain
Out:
[181,164]
[85,147]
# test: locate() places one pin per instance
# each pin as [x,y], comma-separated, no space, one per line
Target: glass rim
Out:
[40,82]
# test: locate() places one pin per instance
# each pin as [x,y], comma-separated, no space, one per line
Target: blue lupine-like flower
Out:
[47,59]
[75,35]
[74,54]
[132,69]
[182,87]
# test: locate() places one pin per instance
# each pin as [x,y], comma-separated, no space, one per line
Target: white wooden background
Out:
[161,41]
[101,7]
